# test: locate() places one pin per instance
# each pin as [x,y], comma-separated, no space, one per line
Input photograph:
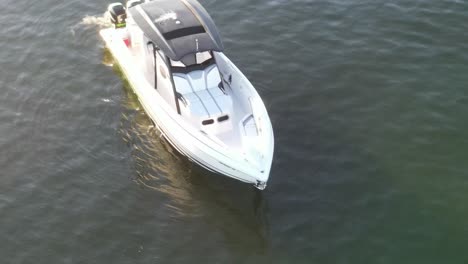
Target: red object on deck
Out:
[127,41]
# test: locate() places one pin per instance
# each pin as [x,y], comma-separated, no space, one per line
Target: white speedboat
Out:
[172,56]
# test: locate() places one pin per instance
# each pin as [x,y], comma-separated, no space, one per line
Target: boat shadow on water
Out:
[236,210]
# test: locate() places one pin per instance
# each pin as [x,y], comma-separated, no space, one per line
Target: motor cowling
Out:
[132,3]
[118,15]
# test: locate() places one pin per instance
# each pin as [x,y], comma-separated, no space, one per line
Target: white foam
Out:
[102,21]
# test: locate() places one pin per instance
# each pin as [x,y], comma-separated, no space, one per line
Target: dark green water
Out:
[368,100]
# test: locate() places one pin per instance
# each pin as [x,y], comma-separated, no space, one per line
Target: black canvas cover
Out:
[177,27]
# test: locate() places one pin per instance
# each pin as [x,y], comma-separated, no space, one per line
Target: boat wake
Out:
[88,25]
[102,21]
[99,22]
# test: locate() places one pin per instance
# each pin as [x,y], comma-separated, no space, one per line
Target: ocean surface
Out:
[369,104]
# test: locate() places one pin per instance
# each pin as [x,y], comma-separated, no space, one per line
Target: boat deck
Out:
[208,102]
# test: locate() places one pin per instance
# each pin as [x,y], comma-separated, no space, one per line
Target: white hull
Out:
[244,163]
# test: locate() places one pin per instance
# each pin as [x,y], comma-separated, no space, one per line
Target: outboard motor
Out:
[118,15]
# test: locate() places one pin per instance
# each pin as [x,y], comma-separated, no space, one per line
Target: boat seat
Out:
[201,94]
